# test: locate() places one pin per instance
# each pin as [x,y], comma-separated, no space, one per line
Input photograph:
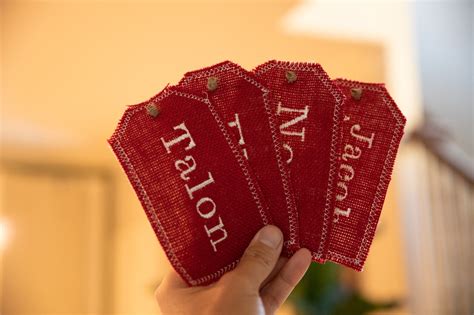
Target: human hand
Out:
[258,285]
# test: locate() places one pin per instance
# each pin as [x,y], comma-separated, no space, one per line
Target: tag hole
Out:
[290,76]
[356,93]
[153,110]
[212,83]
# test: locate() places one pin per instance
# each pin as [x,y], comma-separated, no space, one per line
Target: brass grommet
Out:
[212,83]
[290,76]
[356,93]
[152,110]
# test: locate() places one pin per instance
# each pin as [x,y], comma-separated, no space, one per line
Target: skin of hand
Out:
[258,285]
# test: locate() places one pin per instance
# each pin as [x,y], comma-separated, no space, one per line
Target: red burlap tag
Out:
[307,106]
[193,182]
[243,103]
[372,130]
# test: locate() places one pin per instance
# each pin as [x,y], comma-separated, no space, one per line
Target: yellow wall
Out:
[70,67]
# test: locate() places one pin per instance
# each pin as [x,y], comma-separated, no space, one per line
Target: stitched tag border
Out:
[335,136]
[384,180]
[238,70]
[150,210]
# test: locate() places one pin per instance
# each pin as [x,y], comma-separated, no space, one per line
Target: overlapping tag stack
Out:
[227,151]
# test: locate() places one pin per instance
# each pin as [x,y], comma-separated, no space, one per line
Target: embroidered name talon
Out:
[205,206]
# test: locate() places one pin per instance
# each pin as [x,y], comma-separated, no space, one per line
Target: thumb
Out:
[261,256]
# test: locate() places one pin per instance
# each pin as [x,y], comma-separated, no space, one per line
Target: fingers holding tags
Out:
[260,257]
[279,288]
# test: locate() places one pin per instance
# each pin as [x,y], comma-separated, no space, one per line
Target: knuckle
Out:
[285,281]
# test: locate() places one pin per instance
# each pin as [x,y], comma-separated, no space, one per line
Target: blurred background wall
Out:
[73,236]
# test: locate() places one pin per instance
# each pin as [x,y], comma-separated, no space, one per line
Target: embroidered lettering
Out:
[369,140]
[236,124]
[349,170]
[342,185]
[339,212]
[206,208]
[290,150]
[351,152]
[176,140]
[346,171]
[218,227]
[206,200]
[188,167]
[302,115]
[199,186]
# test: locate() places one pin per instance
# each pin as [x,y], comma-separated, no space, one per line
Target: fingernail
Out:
[270,236]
